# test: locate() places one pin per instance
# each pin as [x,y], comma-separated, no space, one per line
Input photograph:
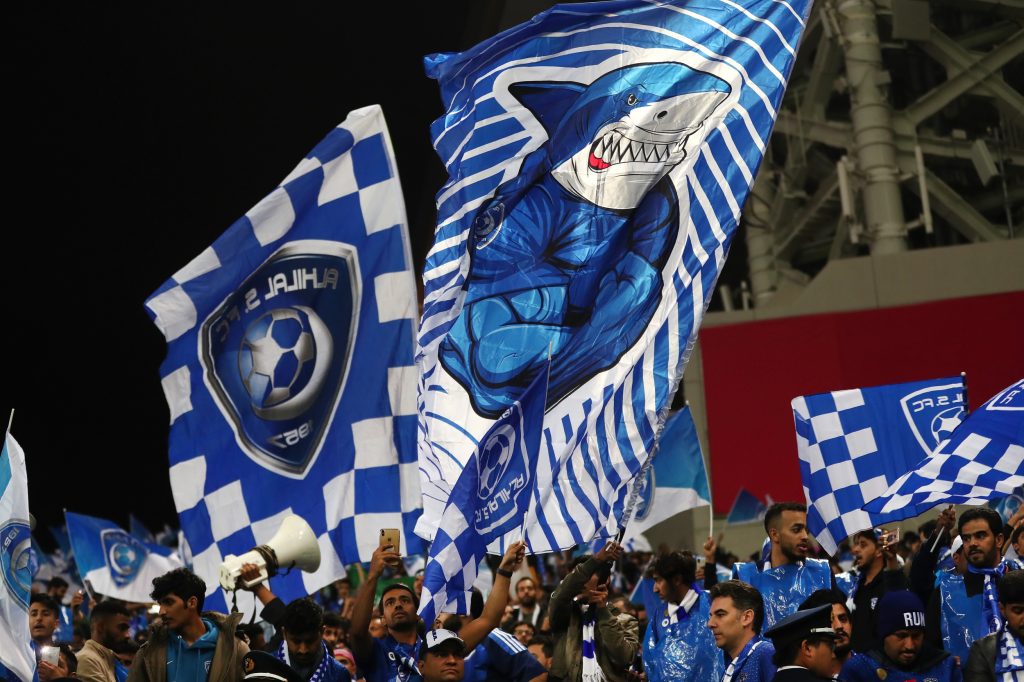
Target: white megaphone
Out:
[293,546]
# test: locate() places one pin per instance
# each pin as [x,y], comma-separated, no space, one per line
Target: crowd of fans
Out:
[944,603]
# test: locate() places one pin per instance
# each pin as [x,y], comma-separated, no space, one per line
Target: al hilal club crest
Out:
[124,555]
[933,412]
[17,561]
[277,351]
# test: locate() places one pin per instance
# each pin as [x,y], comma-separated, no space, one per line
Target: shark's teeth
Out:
[614,147]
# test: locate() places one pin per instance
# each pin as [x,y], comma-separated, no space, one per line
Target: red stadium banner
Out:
[752,370]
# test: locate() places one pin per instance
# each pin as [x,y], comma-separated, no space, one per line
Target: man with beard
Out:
[189,644]
[737,612]
[1000,656]
[903,655]
[841,621]
[788,576]
[528,608]
[395,655]
[964,608]
[303,646]
[877,573]
[678,647]
[96,661]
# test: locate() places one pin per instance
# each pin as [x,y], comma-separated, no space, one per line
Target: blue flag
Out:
[489,500]
[853,444]
[982,459]
[676,481]
[598,157]
[746,508]
[139,530]
[60,536]
[289,370]
[114,562]
[17,563]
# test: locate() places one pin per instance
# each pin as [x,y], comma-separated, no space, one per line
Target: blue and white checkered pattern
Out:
[982,460]
[364,476]
[852,444]
[455,553]
[599,436]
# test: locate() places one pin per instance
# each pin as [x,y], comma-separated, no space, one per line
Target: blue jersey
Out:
[754,664]
[501,658]
[391,661]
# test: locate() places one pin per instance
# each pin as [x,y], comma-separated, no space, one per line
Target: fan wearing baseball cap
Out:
[903,655]
[442,657]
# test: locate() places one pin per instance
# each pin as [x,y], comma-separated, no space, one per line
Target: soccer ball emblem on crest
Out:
[495,455]
[283,361]
[123,559]
[944,422]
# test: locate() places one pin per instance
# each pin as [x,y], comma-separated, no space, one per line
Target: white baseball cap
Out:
[439,637]
[957,543]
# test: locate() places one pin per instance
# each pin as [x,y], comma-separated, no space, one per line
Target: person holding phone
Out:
[395,655]
[878,572]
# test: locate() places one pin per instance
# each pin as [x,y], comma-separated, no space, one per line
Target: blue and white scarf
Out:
[591,670]
[990,600]
[1009,662]
[321,670]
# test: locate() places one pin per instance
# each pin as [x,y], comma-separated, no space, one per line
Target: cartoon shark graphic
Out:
[567,256]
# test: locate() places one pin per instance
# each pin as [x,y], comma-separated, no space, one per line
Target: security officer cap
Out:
[801,625]
[259,666]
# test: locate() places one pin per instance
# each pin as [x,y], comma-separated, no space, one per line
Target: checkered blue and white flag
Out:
[853,444]
[489,501]
[598,156]
[981,460]
[289,370]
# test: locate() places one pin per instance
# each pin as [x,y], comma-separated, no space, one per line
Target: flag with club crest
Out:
[676,479]
[489,500]
[115,562]
[854,444]
[983,458]
[598,156]
[289,370]
[17,564]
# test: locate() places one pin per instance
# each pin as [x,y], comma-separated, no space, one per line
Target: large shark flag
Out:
[598,156]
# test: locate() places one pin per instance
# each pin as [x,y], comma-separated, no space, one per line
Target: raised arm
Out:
[476,630]
[359,633]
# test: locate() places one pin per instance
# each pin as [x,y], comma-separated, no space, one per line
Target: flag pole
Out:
[547,385]
[967,406]
[10,420]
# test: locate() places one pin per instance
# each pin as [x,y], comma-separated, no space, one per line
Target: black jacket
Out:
[864,603]
[798,675]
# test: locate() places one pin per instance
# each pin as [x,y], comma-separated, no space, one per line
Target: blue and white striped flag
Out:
[853,444]
[675,481]
[17,564]
[982,459]
[598,156]
[489,500]
[746,508]
[115,562]
[289,370]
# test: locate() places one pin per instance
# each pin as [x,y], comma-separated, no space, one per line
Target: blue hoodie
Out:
[191,663]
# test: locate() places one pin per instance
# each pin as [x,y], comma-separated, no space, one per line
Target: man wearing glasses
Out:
[96,661]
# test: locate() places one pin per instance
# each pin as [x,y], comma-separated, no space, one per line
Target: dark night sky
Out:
[135,136]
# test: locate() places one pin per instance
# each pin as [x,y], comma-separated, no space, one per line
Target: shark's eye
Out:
[631,100]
